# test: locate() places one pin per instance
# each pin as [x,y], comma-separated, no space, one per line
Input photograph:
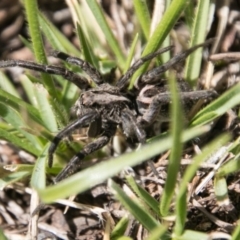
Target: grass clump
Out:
[47,109]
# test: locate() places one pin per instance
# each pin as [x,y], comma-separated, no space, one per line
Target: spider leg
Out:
[125,78]
[165,98]
[92,72]
[131,127]
[154,74]
[79,81]
[75,163]
[84,121]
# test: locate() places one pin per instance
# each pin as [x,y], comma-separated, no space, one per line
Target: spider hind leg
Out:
[154,75]
[75,163]
[164,98]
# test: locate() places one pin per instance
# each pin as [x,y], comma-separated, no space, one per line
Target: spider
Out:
[104,108]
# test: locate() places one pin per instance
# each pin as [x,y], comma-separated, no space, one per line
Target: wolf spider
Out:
[106,107]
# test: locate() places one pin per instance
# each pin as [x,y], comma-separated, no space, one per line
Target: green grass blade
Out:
[2,235]
[181,202]
[33,113]
[131,53]
[45,108]
[19,142]
[55,37]
[143,195]
[125,238]
[12,178]
[189,14]
[13,117]
[88,178]
[158,233]
[120,228]
[170,17]
[60,111]
[236,232]
[221,190]
[229,168]
[143,15]
[7,86]
[133,207]
[37,43]
[26,43]
[198,35]
[218,107]
[180,213]
[176,149]
[69,94]
[190,235]
[19,105]
[38,179]
[166,56]
[112,41]
[29,90]
[76,14]
[87,50]
[19,167]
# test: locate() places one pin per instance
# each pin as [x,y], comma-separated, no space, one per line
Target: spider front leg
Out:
[81,122]
[121,84]
[75,163]
[79,81]
[92,72]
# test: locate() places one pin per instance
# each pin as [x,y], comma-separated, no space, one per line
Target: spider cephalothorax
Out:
[106,107]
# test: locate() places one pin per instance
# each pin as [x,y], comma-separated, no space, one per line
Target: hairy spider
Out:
[106,107]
